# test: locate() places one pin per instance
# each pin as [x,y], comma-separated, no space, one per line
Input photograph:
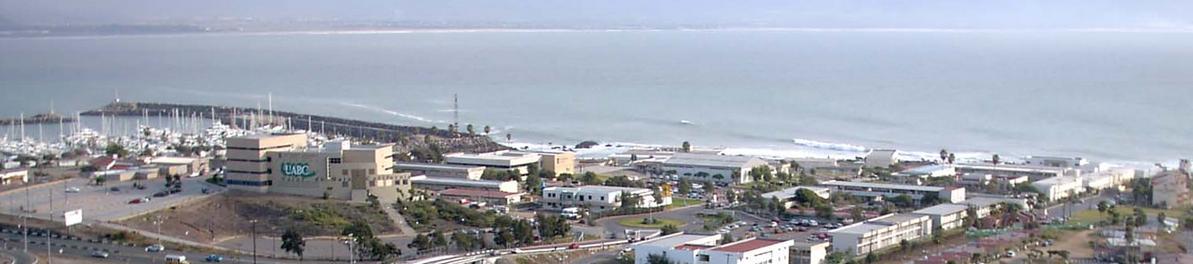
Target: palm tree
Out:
[995,159]
[687,147]
[952,158]
[471,130]
[944,155]
[509,137]
[488,129]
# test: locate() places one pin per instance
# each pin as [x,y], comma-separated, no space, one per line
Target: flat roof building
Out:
[929,171]
[869,189]
[946,216]
[1169,189]
[788,194]
[557,162]
[880,158]
[598,198]
[444,183]
[1057,188]
[487,196]
[693,249]
[14,176]
[880,233]
[442,170]
[711,167]
[1033,173]
[803,252]
[985,204]
[501,160]
[282,163]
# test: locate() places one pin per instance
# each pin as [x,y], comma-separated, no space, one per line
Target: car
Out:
[574,246]
[175,190]
[1010,253]
[100,254]
[135,201]
[114,189]
[73,189]
[214,258]
[161,194]
[155,248]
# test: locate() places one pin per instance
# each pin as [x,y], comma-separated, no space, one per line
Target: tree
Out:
[903,200]
[952,158]
[471,130]
[1160,218]
[669,229]
[293,242]
[534,184]
[856,213]
[685,186]
[726,238]
[995,159]
[488,129]
[629,200]
[1103,206]
[590,178]
[420,243]
[870,258]
[686,147]
[826,212]
[509,137]
[944,155]
[709,187]
[1140,217]
[904,245]
[115,149]
[438,240]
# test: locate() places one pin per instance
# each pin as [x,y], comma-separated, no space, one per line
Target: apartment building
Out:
[869,189]
[1057,188]
[803,252]
[946,216]
[685,248]
[880,233]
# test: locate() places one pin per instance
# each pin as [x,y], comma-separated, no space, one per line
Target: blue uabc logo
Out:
[297,170]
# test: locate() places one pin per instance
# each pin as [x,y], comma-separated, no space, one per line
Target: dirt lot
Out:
[227,216]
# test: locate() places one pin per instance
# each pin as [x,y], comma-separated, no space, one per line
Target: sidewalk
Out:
[399,221]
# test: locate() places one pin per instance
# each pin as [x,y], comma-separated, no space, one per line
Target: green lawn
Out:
[637,222]
[677,202]
[1086,217]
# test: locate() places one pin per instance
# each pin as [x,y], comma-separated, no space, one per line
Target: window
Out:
[702,257]
[602,198]
[335,160]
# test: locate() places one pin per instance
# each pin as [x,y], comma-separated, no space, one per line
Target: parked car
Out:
[214,258]
[155,248]
[100,254]
[135,201]
[114,189]
[72,189]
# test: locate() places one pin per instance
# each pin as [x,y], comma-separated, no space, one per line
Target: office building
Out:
[803,252]
[499,160]
[598,198]
[442,170]
[684,248]
[880,233]
[478,195]
[247,168]
[557,162]
[711,167]
[281,163]
[869,189]
[444,183]
[945,216]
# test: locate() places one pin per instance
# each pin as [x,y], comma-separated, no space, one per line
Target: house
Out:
[712,167]
[691,249]
[880,233]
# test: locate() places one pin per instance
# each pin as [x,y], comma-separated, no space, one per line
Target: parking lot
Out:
[99,203]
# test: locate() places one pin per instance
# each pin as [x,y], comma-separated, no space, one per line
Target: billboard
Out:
[295,169]
[73,217]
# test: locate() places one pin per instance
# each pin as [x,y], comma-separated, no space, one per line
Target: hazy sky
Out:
[821,13]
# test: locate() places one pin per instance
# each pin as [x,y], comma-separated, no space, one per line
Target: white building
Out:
[788,195]
[880,233]
[809,252]
[1108,178]
[444,183]
[946,216]
[711,167]
[501,160]
[598,198]
[442,170]
[1059,162]
[880,158]
[984,205]
[929,171]
[703,249]
[1033,173]
[1057,188]
[14,176]
[868,189]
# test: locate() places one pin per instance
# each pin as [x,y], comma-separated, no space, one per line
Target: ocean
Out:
[1113,96]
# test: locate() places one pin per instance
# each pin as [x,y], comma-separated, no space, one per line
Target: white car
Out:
[73,189]
[155,248]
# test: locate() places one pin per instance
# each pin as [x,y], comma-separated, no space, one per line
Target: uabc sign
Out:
[297,170]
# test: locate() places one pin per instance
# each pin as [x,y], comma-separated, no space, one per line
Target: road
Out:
[118,253]
[1086,203]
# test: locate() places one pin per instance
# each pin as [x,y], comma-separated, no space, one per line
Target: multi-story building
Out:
[711,167]
[500,160]
[946,216]
[809,252]
[442,170]
[558,162]
[869,189]
[683,248]
[1170,189]
[478,195]
[1033,173]
[598,198]
[1057,188]
[335,170]
[880,233]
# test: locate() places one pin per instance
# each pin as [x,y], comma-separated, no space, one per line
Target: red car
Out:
[135,201]
[574,246]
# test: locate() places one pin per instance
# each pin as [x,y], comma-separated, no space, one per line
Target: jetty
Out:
[43,118]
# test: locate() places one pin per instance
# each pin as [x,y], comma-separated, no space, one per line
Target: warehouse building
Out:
[478,195]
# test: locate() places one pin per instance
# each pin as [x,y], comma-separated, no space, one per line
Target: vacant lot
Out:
[228,216]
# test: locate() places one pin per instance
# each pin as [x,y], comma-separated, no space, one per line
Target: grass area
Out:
[637,222]
[677,202]
[1087,217]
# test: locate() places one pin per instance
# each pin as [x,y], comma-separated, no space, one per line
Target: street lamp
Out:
[351,258]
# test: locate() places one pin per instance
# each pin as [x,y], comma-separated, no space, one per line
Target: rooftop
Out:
[897,218]
[877,223]
[790,192]
[172,160]
[670,242]
[457,181]
[436,166]
[602,188]
[927,169]
[1009,167]
[943,209]
[475,193]
[747,245]
[498,155]
[883,186]
[711,160]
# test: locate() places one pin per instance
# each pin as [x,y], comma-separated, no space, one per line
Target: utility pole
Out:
[25,217]
[49,253]
[456,110]
[254,222]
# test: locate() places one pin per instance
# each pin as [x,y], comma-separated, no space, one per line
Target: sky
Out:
[773,13]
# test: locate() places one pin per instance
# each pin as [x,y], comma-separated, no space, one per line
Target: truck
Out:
[570,213]
[176,259]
